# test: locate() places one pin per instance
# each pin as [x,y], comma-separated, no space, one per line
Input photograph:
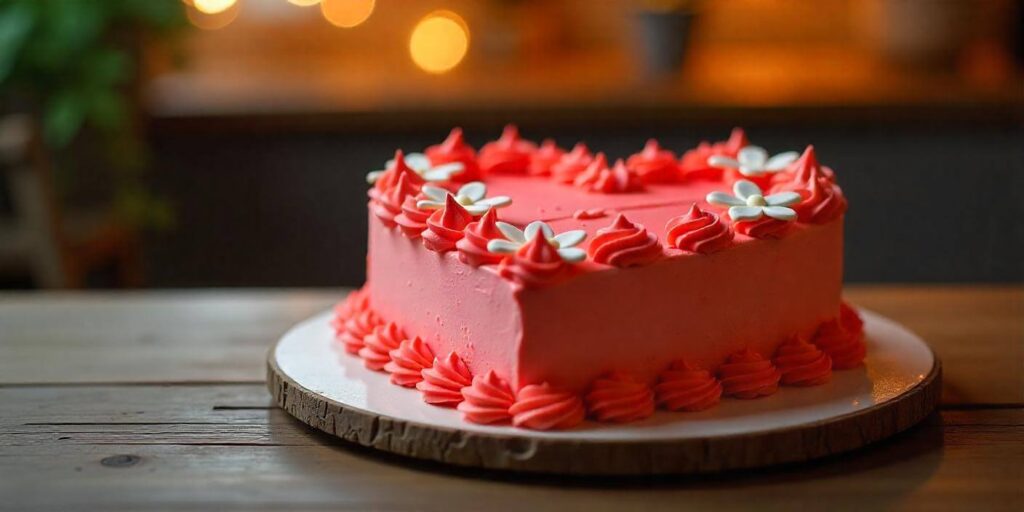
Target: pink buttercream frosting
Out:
[846,347]
[619,398]
[542,407]
[747,374]
[694,163]
[445,226]
[572,164]
[443,382]
[600,178]
[487,400]
[822,202]
[654,164]
[455,149]
[412,220]
[624,244]
[408,362]
[509,154]
[687,387]
[390,177]
[800,173]
[546,156]
[765,227]
[698,231]
[353,303]
[356,329]
[802,363]
[377,346]
[473,245]
[535,264]
[389,204]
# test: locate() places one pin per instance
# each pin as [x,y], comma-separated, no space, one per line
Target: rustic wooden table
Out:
[157,400]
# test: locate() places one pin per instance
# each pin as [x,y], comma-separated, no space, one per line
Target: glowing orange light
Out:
[213,6]
[303,3]
[346,13]
[212,21]
[439,42]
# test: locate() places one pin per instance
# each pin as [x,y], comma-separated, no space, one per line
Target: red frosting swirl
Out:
[615,180]
[698,231]
[444,227]
[802,364]
[390,177]
[619,398]
[747,374]
[487,400]
[509,154]
[356,329]
[389,204]
[408,362]
[455,149]
[801,172]
[353,304]
[443,382]
[822,202]
[545,157]
[694,163]
[377,345]
[473,245]
[687,387]
[624,244]
[653,164]
[765,227]
[846,347]
[536,263]
[850,318]
[572,164]
[412,221]
[542,407]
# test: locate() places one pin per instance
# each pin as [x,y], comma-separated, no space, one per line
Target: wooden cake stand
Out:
[314,380]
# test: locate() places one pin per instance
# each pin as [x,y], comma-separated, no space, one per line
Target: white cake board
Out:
[315,380]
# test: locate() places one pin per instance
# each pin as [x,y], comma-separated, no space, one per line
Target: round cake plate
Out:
[313,379]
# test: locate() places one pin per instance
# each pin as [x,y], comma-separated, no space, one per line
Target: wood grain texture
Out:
[174,438]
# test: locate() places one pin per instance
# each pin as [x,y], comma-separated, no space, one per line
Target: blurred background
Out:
[171,143]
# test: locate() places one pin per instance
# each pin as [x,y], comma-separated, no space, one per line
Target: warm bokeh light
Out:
[212,21]
[439,41]
[213,6]
[303,3]
[346,13]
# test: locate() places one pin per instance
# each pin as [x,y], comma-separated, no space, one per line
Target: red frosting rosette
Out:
[850,319]
[822,202]
[408,362]
[619,398]
[509,155]
[444,226]
[389,205]
[653,164]
[624,244]
[687,387]
[544,158]
[389,178]
[598,177]
[353,304]
[473,245]
[572,164]
[698,231]
[377,346]
[455,150]
[799,174]
[535,264]
[543,407]
[747,374]
[443,382]
[802,364]
[413,219]
[487,400]
[765,227]
[694,163]
[356,329]
[842,341]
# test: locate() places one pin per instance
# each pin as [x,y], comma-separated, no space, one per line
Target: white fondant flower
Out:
[749,203]
[421,164]
[754,161]
[471,196]
[565,243]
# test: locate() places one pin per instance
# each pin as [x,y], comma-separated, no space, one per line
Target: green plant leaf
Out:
[63,117]
[16,22]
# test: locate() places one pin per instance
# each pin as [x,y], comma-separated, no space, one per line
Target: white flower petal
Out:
[779,212]
[475,190]
[417,161]
[751,172]
[496,201]
[435,193]
[723,199]
[476,209]
[570,238]
[572,254]
[782,199]
[744,189]
[448,170]
[535,226]
[781,161]
[723,161]
[503,246]
[753,157]
[426,204]
[511,232]
[739,213]
[373,176]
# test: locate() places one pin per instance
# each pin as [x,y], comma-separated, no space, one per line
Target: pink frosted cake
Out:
[537,286]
